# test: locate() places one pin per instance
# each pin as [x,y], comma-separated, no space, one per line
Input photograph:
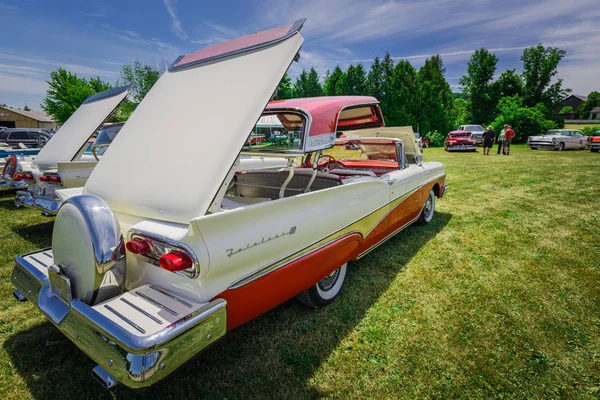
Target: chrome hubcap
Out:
[328,282]
[428,206]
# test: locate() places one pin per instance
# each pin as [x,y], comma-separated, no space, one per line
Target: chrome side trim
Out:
[124,318]
[382,241]
[104,378]
[19,296]
[170,295]
[152,317]
[156,303]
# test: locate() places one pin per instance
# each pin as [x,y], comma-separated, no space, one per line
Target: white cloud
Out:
[77,68]
[20,84]
[171,6]
[94,15]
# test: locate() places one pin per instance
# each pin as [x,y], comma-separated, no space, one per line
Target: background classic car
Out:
[64,162]
[459,141]
[558,139]
[141,279]
[476,132]
[594,142]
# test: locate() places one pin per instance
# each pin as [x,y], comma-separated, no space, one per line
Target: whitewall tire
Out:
[325,291]
[428,209]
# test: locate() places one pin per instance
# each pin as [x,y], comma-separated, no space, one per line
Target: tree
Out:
[404,95]
[587,106]
[141,77]
[436,97]
[387,69]
[376,80]
[308,85]
[480,72]
[333,82]
[66,92]
[461,112]
[285,90]
[355,81]
[507,85]
[540,66]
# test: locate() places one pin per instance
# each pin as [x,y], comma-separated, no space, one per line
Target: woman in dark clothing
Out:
[488,140]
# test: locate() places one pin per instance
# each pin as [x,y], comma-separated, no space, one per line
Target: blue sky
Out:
[96,37]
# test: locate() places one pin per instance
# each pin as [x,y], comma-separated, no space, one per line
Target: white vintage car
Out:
[559,139]
[169,248]
[63,163]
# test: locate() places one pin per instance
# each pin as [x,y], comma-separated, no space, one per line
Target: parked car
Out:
[146,273]
[460,141]
[558,139]
[255,139]
[422,141]
[476,132]
[24,138]
[44,185]
[594,142]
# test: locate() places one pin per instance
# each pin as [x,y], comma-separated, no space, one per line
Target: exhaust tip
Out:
[104,378]
[19,296]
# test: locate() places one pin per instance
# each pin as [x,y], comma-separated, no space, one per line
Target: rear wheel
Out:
[325,291]
[534,148]
[428,210]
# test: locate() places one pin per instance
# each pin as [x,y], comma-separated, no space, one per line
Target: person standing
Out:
[509,134]
[501,139]
[488,140]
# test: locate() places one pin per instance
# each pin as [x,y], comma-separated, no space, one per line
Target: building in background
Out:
[25,118]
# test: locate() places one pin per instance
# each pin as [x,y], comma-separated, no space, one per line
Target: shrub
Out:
[566,110]
[435,138]
[526,121]
[591,130]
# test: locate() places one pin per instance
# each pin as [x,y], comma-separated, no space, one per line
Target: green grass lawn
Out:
[499,297]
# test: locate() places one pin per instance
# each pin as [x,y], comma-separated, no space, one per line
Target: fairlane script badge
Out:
[231,252]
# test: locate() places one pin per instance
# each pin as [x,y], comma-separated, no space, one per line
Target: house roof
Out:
[38,115]
[580,97]
[596,109]
[326,112]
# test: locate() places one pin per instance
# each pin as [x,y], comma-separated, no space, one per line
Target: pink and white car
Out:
[159,257]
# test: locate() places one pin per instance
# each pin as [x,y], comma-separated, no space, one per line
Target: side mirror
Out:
[419,159]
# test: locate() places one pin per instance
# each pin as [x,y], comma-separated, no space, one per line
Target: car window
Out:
[19,135]
[577,133]
[3,135]
[565,133]
[34,134]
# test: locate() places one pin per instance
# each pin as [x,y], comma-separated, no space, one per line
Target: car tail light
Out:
[176,261]
[18,178]
[43,178]
[28,177]
[54,179]
[589,138]
[138,246]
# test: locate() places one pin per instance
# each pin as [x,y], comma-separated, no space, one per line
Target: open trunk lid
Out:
[68,140]
[179,144]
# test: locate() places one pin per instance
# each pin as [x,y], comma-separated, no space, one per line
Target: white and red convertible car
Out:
[161,256]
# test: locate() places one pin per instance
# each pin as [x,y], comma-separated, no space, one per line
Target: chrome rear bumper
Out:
[13,184]
[49,205]
[137,359]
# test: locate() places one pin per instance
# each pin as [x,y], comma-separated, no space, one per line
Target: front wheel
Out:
[325,291]
[561,146]
[594,150]
[534,148]
[428,210]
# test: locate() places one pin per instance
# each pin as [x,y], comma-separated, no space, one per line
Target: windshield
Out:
[474,128]
[281,132]
[459,135]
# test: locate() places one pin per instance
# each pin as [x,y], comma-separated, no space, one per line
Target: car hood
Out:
[75,132]
[175,151]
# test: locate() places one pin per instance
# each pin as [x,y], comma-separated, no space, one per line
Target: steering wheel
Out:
[328,163]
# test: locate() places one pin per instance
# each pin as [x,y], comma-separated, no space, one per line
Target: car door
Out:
[18,137]
[579,140]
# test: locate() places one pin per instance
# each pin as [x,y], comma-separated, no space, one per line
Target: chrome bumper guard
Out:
[135,360]
[13,184]
[48,204]
[543,145]
[461,148]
